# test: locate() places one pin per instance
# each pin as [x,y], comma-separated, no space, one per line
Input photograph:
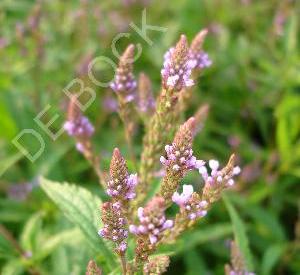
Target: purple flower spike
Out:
[124,83]
[201,60]
[197,54]
[122,185]
[152,220]
[177,67]
[114,228]
[77,125]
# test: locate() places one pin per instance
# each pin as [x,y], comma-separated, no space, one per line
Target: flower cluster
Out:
[218,179]
[124,82]
[190,203]
[177,67]
[114,225]
[179,159]
[199,57]
[122,185]
[152,220]
[77,125]
[114,214]
[218,176]
[179,155]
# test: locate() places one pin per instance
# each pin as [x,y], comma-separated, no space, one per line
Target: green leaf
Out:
[30,232]
[6,248]
[9,161]
[192,259]
[68,236]
[270,257]
[13,267]
[81,208]
[239,233]
[197,237]
[7,124]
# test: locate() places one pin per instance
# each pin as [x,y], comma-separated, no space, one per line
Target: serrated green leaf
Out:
[239,233]
[82,209]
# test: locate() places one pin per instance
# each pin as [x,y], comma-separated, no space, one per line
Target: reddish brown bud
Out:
[197,43]
[73,112]
[184,135]
[93,269]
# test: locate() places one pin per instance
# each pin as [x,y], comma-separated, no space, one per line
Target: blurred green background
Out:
[253,89]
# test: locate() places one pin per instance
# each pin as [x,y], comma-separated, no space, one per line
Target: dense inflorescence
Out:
[218,180]
[115,225]
[200,58]
[77,125]
[177,67]
[152,220]
[122,184]
[190,203]
[124,83]
[179,159]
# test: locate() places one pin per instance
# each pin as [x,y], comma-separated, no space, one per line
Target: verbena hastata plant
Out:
[167,147]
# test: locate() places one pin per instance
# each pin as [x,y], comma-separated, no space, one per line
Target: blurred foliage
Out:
[253,89]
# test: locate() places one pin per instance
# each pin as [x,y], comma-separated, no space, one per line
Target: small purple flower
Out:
[80,127]
[124,83]
[180,160]
[217,176]
[110,104]
[122,246]
[152,220]
[127,188]
[80,147]
[19,191]
[190,203]
[185,195]
[201,59]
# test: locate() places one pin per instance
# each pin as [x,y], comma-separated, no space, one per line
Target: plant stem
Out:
[7,235]
[124,264]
